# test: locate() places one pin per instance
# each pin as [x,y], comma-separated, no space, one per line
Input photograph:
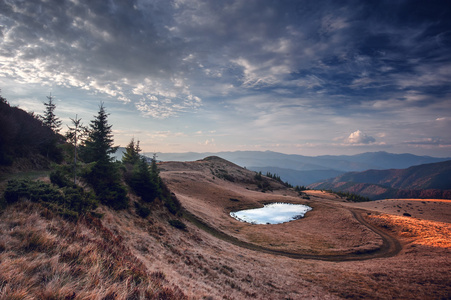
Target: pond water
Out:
[274,213]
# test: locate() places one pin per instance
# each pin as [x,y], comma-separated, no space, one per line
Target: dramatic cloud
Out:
[266,66]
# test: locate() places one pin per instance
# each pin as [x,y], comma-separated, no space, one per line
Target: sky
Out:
[296,77]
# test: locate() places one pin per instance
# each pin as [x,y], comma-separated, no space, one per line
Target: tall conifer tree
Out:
[131,155]
[99,144]
[74,135]
[50,119]
[104,175]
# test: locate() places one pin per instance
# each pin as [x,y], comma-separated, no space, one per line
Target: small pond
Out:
[274,213]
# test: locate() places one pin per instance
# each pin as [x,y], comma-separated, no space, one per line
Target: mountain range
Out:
[304,170]
[423,181]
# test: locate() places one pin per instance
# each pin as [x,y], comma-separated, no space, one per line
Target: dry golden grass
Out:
[417,272]
[420,232]
[45,257]
[326,230]
[424,209]
[124,256]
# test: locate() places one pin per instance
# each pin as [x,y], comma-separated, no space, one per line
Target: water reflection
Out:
[274,213]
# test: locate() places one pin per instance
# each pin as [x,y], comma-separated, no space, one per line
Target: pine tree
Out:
[74,135]
[50,119]
[104,175]
[99,144]
[154,169]
[50,145]
[145,183]
[131,155]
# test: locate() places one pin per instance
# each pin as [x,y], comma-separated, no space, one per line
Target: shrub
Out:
[299,189]
[265,186]
[144,182]
[177,224]
[170,200]
[59,178]
[228,177]
[352,197]
[69,215]
[34,190]
[104,178]
[68,202]
[114,195]
[15,190]
[141,210]
[78,200]
[258,176]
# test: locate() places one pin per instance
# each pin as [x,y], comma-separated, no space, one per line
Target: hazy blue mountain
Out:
[384,160]
[425,176]
[359,162]
[310,168]
[423,181]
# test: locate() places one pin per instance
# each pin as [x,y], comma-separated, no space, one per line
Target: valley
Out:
[337,242]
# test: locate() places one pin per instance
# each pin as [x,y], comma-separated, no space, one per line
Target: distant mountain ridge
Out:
[423,181]
[305,170]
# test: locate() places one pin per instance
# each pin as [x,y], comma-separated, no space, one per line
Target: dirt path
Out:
[390,245]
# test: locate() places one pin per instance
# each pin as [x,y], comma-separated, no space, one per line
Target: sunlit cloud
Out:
[358,137]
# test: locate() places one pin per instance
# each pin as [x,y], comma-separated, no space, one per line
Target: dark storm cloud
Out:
[101,36]
[348,51]
[351,40]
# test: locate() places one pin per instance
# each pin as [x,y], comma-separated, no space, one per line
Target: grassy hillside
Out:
[24,141]
[119,254]
[46,257]
[130,230]
[53,242]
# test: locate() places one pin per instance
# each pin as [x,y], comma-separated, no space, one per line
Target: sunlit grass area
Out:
[420,232]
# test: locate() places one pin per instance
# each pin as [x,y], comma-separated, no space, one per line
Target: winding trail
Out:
[390,245]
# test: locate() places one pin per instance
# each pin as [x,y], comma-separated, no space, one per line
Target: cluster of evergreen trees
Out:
[351,197]
[91,149]
[144,181]
[274,176]
[277,178]
[106,175]
[300,188]
[266,186]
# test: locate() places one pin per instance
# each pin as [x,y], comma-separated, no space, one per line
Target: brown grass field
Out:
[123,256]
